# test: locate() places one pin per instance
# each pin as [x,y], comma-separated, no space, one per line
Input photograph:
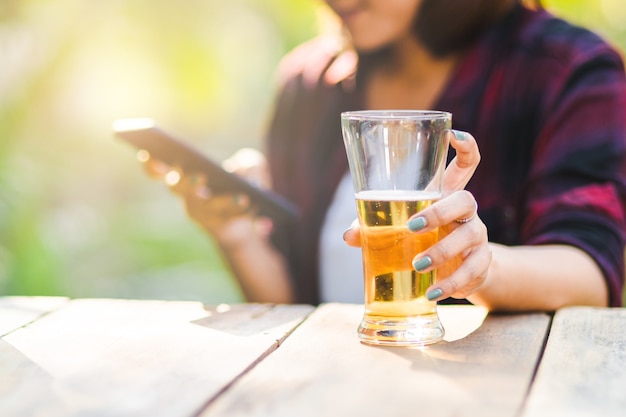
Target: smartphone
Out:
[144,134]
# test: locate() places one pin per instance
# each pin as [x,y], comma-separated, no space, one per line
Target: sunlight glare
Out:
[614,11]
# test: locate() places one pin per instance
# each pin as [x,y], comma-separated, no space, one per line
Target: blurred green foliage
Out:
[77,215]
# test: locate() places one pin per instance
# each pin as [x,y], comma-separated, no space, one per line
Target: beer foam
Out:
[397,195]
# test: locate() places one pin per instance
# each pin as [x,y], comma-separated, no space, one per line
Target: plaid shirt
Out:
[546,102]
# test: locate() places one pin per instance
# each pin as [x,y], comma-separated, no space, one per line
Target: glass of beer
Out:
[397,160]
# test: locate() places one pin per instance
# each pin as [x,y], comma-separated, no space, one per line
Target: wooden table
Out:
[104,357]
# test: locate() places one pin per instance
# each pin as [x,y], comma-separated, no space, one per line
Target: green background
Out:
[77,215]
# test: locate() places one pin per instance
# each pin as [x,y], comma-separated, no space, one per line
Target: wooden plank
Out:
[323,370]
[583,370]
[16,312]
[135,358]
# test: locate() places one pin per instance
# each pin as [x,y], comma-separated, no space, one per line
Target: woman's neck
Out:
[411,77]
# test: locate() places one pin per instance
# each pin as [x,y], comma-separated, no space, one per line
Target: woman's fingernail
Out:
[416,224]
[460,135]
[143,155]
[203,192]
[422,263]
[434,294]
[241,200]
[345,232]
[172,178]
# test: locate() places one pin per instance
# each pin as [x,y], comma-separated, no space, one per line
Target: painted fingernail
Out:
[434,294]
[345,232]
[460,135]
[416,224]
[422,263]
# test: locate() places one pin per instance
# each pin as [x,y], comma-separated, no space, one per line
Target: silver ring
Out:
[467,219]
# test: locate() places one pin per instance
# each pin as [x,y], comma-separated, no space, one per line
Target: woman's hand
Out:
[229,218]
[462,255]
[259,268]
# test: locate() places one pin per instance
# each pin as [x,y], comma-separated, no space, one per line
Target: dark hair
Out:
[448,26]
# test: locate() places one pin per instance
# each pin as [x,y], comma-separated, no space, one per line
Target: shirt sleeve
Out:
[577,187]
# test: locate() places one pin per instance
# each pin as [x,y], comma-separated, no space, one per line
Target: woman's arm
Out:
[520,278]
[507,278]
[259,268]
[243,238]
[543,277]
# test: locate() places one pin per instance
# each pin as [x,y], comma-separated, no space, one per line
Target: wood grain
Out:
[323,370]
[135,358]
[16,312]
[583,370]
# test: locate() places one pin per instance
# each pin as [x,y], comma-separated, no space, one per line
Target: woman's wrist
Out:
[486,294]
[243,235]
[541,277]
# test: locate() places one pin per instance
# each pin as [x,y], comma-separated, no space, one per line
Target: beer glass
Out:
[397,160]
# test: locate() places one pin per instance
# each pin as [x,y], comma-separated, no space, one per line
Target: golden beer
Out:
[397,161]
[394,291]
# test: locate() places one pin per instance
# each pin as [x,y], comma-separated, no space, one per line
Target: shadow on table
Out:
[252,319]
[499,357]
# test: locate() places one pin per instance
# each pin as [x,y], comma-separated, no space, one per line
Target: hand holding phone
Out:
[143,134]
